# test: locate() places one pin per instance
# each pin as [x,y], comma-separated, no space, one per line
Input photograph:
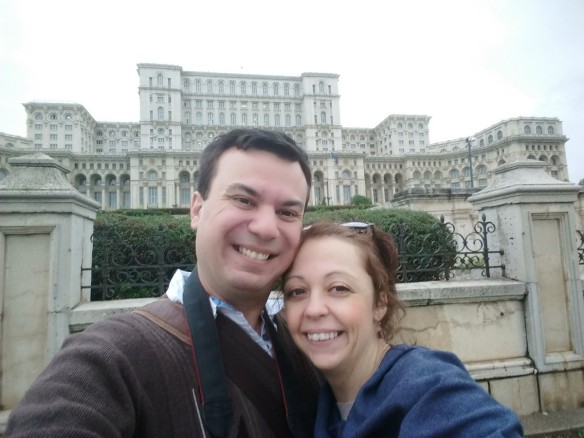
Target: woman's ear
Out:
[380,308]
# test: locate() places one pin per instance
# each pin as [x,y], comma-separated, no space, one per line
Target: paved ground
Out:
[564,424]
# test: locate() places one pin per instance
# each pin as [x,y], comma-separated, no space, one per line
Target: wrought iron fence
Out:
[444,252]
[123,270]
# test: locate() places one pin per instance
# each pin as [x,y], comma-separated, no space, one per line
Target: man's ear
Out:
[196,206]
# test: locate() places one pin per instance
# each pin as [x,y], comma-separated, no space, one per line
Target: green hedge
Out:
[154,237]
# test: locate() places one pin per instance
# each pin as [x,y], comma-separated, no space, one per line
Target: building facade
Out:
[153,163]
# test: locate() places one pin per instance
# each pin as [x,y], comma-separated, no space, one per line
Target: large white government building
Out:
[153,163]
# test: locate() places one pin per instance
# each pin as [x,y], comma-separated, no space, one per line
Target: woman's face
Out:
[329,305]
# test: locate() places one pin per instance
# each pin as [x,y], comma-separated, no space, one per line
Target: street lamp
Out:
[469,141]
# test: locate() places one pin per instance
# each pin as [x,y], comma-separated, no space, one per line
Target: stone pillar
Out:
[536,223]
[45,230]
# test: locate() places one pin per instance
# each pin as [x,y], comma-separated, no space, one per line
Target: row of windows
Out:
[52,127]
[242,87]
[245,120]
[52,116]
[244,105]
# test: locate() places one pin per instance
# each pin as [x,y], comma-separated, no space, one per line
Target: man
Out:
[215,366]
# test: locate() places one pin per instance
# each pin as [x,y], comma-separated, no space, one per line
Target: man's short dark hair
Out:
[274,142]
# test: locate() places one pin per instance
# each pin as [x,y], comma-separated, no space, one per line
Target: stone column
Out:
[536,223]
[45,230]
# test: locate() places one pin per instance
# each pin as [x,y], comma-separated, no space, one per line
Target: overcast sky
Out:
[467,64]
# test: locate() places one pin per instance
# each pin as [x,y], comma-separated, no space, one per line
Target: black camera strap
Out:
[217,409]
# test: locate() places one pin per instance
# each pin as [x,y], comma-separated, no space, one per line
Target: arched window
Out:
[482,169]
[243,87]
[550,129]
[197,86]
[233,119]
[151,175]
[526,129]
[266,120]
[288,120]
[298,120]
[323,117]
[209,86]
[420,126]
[159,80]
[489,139]
[286,90]
[538,130]
[221,119]
[277,120]
[437,175]
[265,89]
[296,90]
[321,87]
[499,135]
[232,87]
[276,89]
[221,87]
[254,88]
[482,142]
[187,85]
[184,177]
[454,173]
[427,175]
[466,171]
[555,160]
[210,119]
[417,175]
[199,119]
[160,113]
[346,175]
[39,116]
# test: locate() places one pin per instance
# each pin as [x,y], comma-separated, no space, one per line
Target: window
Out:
[187,85]
[233,119]
[286,90]
[160,113]
[254,88]
[277,120]
[210,120]
[160,80]
[221,87]
[266,120]
[321,87]
[39,126]
[550,129]
[526,129]
[209,86]
[296,90]
[232,87]
[198,86]
[288,120]
[298,120]
[499,135]
[243,88]
[152,196]
[265,89]
[222,119]
[244,119]
[276,89]
[323,117]
[538,130]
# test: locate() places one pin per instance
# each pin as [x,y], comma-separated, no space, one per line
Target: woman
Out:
[342,310]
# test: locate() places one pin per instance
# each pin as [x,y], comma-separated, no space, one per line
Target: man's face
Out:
[249,226]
